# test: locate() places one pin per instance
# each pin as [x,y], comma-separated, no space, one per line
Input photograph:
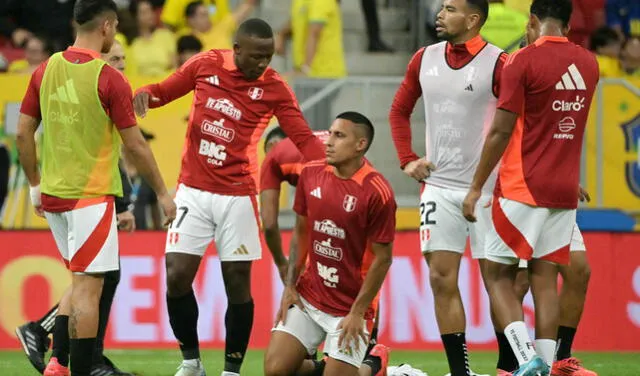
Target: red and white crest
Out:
[255,93]
[173,238]
[349,203]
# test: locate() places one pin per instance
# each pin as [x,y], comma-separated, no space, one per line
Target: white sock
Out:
[546,349]
[520,341]
[225,373]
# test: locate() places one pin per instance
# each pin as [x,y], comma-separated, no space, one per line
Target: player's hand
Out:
[141,103]
[352,327]
[469,204]
[583,195]
[168,208]
[20,37]
[126,221]
[419,169]
[290,298]
[36,200]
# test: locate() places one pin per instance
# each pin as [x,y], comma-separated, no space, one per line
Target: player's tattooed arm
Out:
[374,278]
[494,147]
[298,252]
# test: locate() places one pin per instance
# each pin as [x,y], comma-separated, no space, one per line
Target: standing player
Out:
[333,300]
[236,94]
[34,335]
[459,81]
[84,104]
[540,121]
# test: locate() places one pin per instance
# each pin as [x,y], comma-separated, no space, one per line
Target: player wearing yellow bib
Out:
[85,107]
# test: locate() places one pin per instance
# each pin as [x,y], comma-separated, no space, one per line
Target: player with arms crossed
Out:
[538,127]
[346,263]
[34,335]
[459,81]
[85,107]
[236,94]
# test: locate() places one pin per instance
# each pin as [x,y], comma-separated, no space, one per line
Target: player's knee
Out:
[443,283]
[579,275]
[178,283]
[237,281]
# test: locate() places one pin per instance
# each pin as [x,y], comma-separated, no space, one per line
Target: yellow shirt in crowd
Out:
[173,11]
[220,36]
[154,56]
[328,61]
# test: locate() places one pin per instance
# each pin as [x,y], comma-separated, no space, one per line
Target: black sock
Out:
[238,321]
[111,280]
[46,323]
[183,317]
[507,360]
[374,362]
[319,367]
[455,346]
[565,341]
[373,341]
[61,340]
[81,356]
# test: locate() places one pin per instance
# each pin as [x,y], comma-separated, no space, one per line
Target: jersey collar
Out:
[544,39]
[473,45]
[86,51]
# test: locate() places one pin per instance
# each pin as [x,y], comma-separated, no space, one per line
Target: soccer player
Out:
[346,261]
[236,94]
[538,127]
[34,335]
[459,81]
[85,106]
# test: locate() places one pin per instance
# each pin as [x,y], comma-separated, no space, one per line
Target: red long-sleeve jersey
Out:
[228,116]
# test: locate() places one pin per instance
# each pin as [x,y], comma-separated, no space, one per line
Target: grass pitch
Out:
[164,362]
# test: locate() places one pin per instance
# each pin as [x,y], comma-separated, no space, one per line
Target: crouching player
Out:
[347,262]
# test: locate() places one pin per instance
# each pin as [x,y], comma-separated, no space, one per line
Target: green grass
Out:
[164,363]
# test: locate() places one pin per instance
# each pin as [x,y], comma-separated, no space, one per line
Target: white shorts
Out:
[577,244]
[87,236]
[444,228]
[313,326]
[521,232]
[232,221]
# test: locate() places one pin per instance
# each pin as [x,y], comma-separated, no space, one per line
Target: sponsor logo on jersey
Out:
[567,106]
[349,203]
[325,249]
[565,126]
[216,129]
[328,227]
[216,153]
[317,193]
[329,275]
[571,80]
[224,106]
[255,93]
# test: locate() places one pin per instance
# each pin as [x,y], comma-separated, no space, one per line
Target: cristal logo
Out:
[561,105]
[325,249]
[224,106]
[328,227]
[217,130]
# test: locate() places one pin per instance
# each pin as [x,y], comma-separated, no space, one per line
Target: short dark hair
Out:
[255,27]
[362,121]
[557,9]
[85,11]
[275,132]
[481,6]
[190,11]
[603,37]
[189,43]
